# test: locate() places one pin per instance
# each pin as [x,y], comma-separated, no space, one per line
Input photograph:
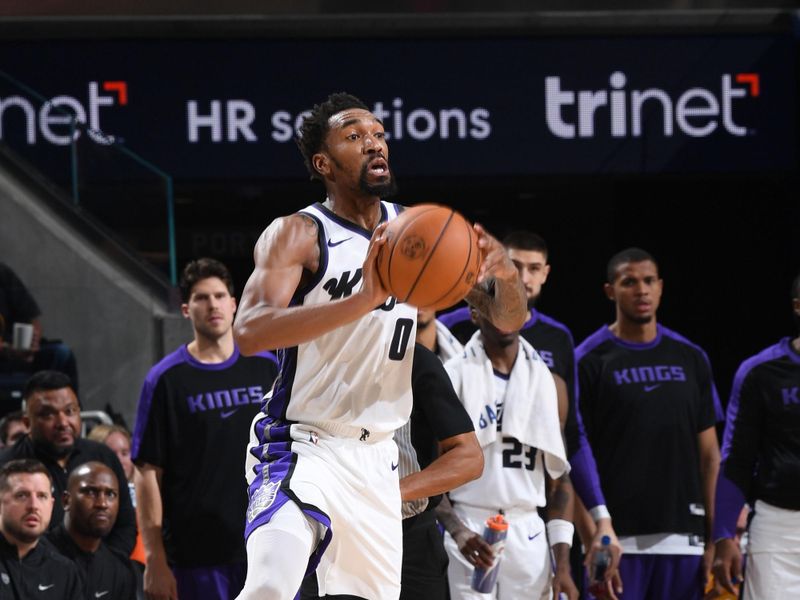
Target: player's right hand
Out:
[727,565]
[373,288]
[159,581]
[474,548]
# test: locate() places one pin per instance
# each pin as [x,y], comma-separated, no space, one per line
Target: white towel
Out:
[530,410]
[446,342]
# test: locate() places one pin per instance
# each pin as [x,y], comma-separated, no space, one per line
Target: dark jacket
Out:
[104,573]
[43,574]
[123,536]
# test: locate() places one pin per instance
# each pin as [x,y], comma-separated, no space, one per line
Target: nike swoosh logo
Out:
[332,244]
[394,466]
[42,588]
[650,388]
[227,413]
[534,536]
[100,594]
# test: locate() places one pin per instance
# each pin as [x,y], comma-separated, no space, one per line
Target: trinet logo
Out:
[51,121]
[697,112]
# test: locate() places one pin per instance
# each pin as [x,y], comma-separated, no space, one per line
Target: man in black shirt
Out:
[29,566]
[649,404]
[191,429]
[53,415]
[761,466]
[91,503]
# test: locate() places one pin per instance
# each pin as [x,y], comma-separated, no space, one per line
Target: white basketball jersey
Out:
[513,473]
[358,375]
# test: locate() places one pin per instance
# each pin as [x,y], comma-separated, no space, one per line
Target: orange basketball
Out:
[430,258]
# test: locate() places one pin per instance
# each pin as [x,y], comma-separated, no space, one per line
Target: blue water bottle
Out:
[494,534]
[600,563]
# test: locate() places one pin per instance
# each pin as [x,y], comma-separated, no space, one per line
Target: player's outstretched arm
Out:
[499,294]
[460,461]
[286,256]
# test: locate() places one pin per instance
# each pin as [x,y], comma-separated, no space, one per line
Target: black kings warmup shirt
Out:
[761,447]
[643,406]
[193,421]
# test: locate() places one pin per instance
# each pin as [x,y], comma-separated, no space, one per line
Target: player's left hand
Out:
[496,263]
[563,584]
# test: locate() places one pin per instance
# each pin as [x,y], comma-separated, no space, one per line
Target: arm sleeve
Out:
[739,453]
[435,396]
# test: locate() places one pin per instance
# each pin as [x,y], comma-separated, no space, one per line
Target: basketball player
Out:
[322,463]
[510,396]
[436,337]
[194,412]
[761,465]
[554,344]
[649,405]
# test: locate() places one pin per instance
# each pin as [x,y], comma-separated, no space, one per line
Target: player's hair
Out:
[46,381]
[200,269]
[6,421]
[100,433]
[22,465]
[629,255]
[316,126]
[526,240]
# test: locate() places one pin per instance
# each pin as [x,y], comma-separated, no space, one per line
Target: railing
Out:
[121,189]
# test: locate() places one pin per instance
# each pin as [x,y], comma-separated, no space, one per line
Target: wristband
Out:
[560,531]
[600,512]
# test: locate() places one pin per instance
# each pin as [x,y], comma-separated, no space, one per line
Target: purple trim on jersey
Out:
[584,476]
[728,503]
[210,583]
[771,353]
[282,390]
[600,336]
[269,356]
[349,224]
[322,243]
[503,376]
[730,497]
[226,364]
[537,316]
[174,359]
[454,317]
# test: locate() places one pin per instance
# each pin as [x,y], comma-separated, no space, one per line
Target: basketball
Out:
[431,257]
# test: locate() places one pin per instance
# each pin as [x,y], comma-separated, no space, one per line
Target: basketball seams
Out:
[395,244]
[430,254]
[466,265]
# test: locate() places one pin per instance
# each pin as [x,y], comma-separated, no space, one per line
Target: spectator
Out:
[118,439]
[17,305]
[29,565]
[53,414]
[192,424]
[12,427]
[91,504]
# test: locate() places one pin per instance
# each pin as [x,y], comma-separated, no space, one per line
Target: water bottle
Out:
[494,534]
[600,563]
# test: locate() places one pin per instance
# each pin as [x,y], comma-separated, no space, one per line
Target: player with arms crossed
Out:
[321,464]
[761,465]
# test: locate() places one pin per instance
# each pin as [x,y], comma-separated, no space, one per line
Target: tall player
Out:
[553,341]
[761,465]
[649,404]
[322,463]
[194,412]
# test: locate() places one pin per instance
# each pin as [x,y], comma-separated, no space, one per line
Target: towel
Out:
[447,344]
[530,409]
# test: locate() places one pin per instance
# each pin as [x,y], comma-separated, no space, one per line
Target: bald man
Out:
[91,504]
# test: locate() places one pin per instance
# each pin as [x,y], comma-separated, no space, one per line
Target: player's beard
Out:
[386,189]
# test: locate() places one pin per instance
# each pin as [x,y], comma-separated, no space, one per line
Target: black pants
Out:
[424,560]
